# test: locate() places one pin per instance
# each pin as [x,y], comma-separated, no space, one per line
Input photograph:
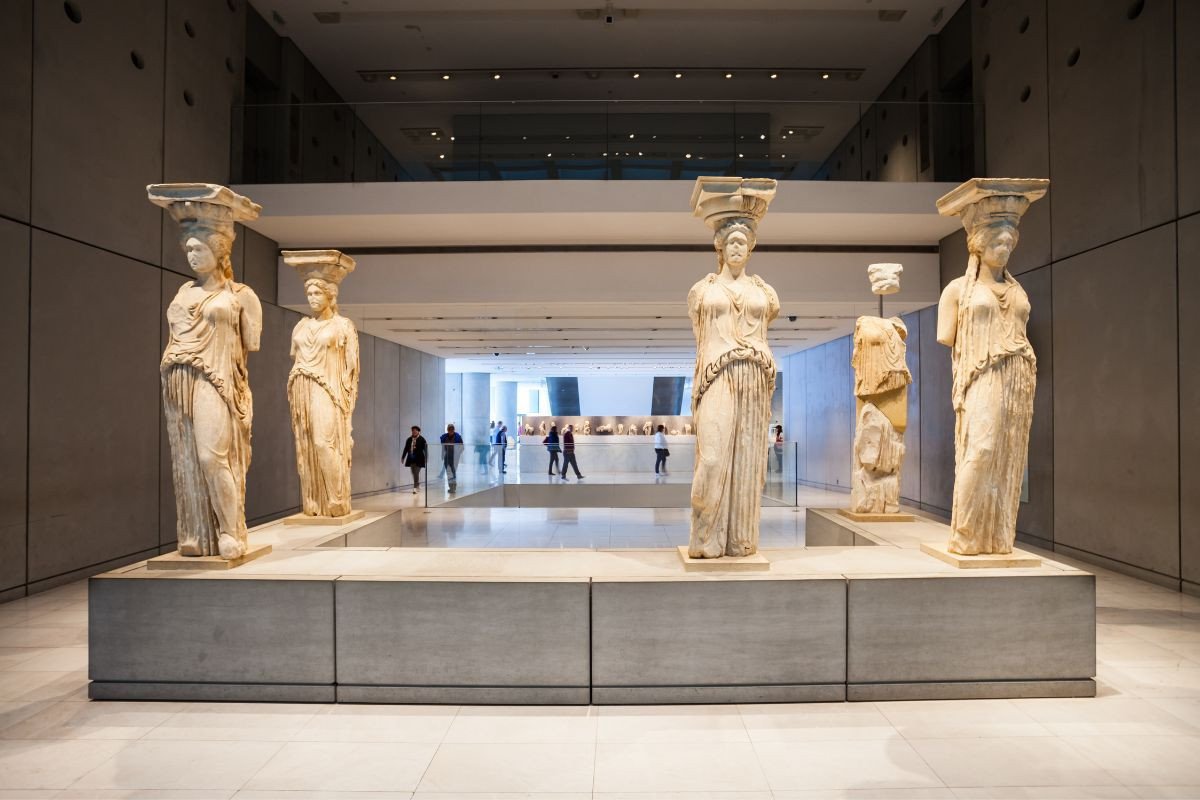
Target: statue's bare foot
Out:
[230,547]
[189,550]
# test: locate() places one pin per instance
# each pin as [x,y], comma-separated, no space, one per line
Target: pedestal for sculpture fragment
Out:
[982,317]
[735,372]
[881,380]
[322,390]
[214,323]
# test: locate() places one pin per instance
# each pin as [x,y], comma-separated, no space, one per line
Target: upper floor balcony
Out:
[915,141]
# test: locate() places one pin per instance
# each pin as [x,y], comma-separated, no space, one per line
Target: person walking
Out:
[568,451]
[660,450]
[552,447]
[501,445]
[779,448]
[451,445]
[414,455]
[491,441]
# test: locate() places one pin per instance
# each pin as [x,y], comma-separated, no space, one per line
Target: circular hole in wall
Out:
[188,98]
[1025,94]
[73,13]
[904,140]
[1024,26]
[1135,9]
[229,67]
[189,30]
[137,60]
[987,61]
[1073,57]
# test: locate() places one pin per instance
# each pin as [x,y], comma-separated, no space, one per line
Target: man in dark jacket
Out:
[501,443]
[568,448]
[452,443]
[415,454]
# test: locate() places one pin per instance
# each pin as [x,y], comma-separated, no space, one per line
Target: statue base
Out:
[754,563]
[1017,559]
[178,561]
[305,519]
[899,516]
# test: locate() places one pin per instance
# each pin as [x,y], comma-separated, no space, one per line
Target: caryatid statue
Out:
[323,384]
[881,380]
[982,317]
[735,371]
[214,323]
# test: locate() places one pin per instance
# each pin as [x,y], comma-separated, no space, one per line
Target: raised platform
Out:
[1017,558]
[413,625]
[304,519]
[855,516]
[177,561]
[754,563]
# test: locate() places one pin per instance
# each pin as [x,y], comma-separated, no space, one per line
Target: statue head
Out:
[885,278]
[993,243]
[321,294]
[734,240]
[208,249]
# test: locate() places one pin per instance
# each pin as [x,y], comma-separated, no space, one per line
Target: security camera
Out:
[495,354]
[791,317]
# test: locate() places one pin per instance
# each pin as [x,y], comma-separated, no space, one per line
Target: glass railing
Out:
[586,140]
[620,474]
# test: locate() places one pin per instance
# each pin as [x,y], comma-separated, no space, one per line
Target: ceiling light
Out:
[637,75]
[774,75]
[433,133]
[687,155]
[784,136]
[678,74]
[549,155]
[391,77]
[824,76]
[452,138]
[728,75]
[639,152]
[496,77]
[446,77]
[631,136]
[443,155]
[568,138]
[762,136]
[790,130]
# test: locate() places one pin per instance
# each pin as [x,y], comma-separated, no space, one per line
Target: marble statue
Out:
[735,371]
[323,384]
[982,317]
[687,429]
[881,380]
[632,430]
[587,428]
[542,429]
[528,429]
[620,428]
[647,428]
[214,323]
[674,431]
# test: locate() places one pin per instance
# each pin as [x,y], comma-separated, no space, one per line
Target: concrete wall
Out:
[1102,99]
[124,97]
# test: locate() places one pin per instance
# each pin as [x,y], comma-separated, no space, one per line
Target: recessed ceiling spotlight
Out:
[637,75]
[452,138]
[762,136]
[631,136]
[678,74]
[790,130]
[784,136]
[549,155]
[741,155]
[687,155]
[523,138]
[774,75]
[728,75]
[443,155]
[433,133]
[446,77]
[824,76]
[496,76]
[639,152]
[391,77]
[568,138]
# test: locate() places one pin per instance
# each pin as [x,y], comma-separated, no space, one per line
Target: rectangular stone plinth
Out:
[177,560]
[755,563]
[305,519]
[899,516]
[1017,559]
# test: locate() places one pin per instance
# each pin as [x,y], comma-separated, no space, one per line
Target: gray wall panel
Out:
[1189,395]
[166,488]
[1116,422]
[16,65]
[363,472]
[262,265]
[14,365]
[1187,92]
[1017,133]
[386,397]
[1117,98]
[433,393]
[97,123]
[93,441]
[937,417]
[1036,518]
[410,392]
[206,66]
[952,256]
[272,486]
[910,471]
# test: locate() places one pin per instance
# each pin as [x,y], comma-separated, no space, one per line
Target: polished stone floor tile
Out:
[678,767]
[1144,760]
[371,723]
[1022,761]
[867,764]
[526,724]
[51,764]
[960,719]
[92,720]
[496,767]
[690,723]
[237,721]
[345,767]
[801,722]
[179,765]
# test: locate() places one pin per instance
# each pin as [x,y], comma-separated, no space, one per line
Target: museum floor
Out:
[1139,738]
